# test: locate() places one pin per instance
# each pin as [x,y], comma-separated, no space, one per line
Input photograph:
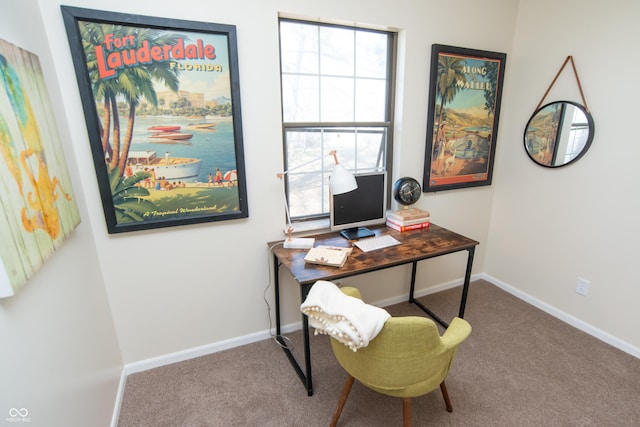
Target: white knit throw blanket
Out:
[345,318]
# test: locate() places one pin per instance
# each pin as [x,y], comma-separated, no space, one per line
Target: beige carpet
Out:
[519,367]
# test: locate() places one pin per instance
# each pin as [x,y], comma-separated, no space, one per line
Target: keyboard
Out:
[377,242]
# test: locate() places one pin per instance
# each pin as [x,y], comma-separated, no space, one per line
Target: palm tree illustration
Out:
[450,77]
[131,83]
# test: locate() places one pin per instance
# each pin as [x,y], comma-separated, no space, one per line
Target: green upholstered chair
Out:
[408,358]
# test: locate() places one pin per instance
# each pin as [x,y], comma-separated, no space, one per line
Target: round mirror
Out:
[558,133]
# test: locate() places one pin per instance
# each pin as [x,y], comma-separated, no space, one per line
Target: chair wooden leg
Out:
[406,411]
[445,394]
[343,399]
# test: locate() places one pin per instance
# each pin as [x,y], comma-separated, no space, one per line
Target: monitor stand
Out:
[356,233]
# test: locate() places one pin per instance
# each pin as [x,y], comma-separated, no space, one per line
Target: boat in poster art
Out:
[174,136]
[167,128]
[203,126]
[184,169]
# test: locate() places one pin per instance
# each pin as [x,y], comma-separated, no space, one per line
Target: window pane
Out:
[371,54]
[298,48]
[300,99]
[337,54]
[336,99]
[343,142]
[370,100]
[307,195]
[303,146]
[371,149]
[309,168]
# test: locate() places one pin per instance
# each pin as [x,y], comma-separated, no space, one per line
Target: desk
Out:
[414,246]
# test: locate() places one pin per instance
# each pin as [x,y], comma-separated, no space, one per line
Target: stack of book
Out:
[408,219]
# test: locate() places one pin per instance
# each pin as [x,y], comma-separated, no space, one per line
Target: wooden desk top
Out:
[414,245]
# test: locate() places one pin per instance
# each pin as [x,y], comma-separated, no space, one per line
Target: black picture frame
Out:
[175,88]
[464,96]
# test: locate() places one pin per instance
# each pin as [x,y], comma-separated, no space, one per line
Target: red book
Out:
[403,228]
[408,221]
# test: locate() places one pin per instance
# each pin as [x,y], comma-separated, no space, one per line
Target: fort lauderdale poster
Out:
[162,106]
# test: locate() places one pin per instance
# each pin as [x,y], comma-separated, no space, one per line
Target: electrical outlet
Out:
[582,287]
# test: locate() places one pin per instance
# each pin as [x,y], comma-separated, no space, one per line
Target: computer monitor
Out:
[352,212]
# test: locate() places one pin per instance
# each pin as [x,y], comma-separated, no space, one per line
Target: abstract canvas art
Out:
[37,205]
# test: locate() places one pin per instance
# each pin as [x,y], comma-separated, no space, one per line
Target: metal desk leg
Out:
[467,279]
[418,303]
[276,279]
[414,266]
[304,291]
[305,377]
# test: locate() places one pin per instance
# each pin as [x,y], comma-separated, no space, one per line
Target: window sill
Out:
[305,228]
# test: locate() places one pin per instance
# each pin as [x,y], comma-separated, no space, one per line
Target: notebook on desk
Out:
[333,256]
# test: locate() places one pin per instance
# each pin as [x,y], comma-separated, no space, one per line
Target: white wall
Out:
[549,227]
[184,287]
[59,356]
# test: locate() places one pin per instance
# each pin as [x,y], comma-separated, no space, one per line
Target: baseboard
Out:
[118,404]
[295,326]
[204,350]
[180,356]
[191,353]
[428,291]
[567,318]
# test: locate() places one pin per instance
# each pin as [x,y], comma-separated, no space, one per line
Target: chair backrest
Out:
[408,358]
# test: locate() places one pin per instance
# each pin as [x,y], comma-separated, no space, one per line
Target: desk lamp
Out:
[341,181]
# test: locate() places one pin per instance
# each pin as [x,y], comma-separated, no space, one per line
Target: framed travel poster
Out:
[37,202]
[161,99]
[462,126]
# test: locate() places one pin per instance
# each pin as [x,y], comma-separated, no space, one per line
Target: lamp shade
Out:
[342,181]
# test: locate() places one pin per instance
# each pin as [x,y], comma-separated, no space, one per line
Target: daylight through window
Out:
[337,94]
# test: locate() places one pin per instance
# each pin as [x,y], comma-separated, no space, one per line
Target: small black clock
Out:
[406,191]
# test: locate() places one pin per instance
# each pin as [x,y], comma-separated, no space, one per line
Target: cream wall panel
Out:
[549,227]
